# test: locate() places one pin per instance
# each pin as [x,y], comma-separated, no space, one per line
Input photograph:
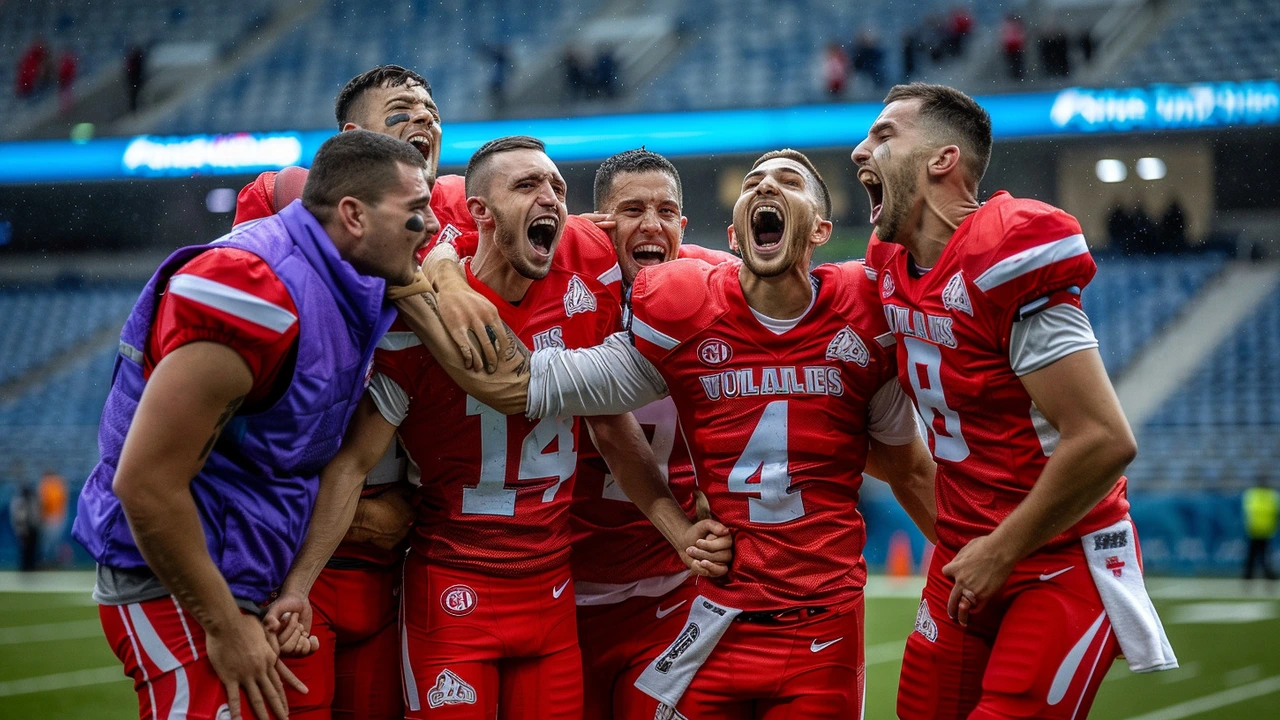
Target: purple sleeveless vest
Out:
[256,491]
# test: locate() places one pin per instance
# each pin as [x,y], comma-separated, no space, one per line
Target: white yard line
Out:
[72,630]
[1214,701]
[62,681]
[48,581]
[885,652]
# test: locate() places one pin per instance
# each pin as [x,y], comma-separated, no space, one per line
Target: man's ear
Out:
[353,214]
[821,232]
[684,222]
[733,241]
[944,160]
[479,210]
[349,126]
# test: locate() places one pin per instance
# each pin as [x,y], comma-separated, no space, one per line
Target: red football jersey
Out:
[613,542]
[953,326]
[496,489]
[776,424]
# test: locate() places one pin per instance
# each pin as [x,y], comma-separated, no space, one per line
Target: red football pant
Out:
[1039,649]
[355,675]
[162,648]
[618,641]
[475,645]
[802,670]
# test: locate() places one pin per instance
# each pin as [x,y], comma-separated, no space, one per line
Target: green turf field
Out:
[54,662]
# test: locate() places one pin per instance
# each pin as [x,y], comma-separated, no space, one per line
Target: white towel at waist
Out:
[670,674]
[1112,555]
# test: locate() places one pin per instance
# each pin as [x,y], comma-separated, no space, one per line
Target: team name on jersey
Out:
[937,329]
[784,380]
[553,338]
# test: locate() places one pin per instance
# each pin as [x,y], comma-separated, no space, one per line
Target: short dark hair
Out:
[362,164]
[476,175]
[956,116]
[381,76]
[804,160]
[633,161]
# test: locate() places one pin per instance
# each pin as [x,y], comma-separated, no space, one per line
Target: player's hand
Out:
[708,548]
[288,619]
[604,221]
[384,520]
[979,570]
[472,322]
[246,660]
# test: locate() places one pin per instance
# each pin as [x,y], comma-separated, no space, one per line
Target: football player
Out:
[784,383]
[1030,441]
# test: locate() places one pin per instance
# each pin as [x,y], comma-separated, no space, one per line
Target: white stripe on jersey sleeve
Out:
[612,275]
[232,301]
[1031,259]
[656,337]
[398,341]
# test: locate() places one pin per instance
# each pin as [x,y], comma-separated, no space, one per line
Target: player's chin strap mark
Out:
[415,223]
[396,119]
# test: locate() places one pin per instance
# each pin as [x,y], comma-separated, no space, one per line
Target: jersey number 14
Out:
[492,496]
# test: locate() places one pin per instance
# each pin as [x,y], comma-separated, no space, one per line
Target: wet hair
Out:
[361,164]
[823,194]
[477,175]
[345,106]
[955,118]
[633,161]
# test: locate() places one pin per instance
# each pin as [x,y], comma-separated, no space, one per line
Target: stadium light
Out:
[1151,168]
[1110,170]
[220,200]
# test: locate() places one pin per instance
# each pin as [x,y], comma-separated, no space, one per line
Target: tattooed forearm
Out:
[227,414]
[516,347]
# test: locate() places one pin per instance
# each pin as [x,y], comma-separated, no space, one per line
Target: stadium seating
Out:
[295,84]
[1132,299]
[42,322]
[1218,40]
[1220,431]
[100,33]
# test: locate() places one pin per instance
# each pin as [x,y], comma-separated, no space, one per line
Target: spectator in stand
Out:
[868,57]
[835,70]
[32,73]
[1013,41]
[606,75]
[1261,505]
[1055,55]
[52,494]
[1173,228]
[959,27]
[498,80]
[1087,45]
[1145,231]
[575,75]
[67,64]
[1120,229]
[135,74]
[24,518]
[910,46]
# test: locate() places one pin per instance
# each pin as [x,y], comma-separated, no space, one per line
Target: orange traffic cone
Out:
[898,564]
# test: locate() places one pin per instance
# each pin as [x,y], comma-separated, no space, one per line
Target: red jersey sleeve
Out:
[231,297]
[449,204]
[708,255]
[1041,252]
[400,356]
[586,249]
[667,303]
[269,193]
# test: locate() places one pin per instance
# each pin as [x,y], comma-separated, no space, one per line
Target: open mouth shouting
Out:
[875,191]
[768,225]
[422,141]
[649,252]
[542,234]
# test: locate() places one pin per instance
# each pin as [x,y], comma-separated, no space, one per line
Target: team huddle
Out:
[408,446]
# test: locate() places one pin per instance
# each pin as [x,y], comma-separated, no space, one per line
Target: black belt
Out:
[770,617]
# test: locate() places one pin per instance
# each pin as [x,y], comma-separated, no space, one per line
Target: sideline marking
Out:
[62,681]
[70,630]
[1214,701]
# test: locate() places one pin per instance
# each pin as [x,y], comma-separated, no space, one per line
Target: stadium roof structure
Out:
[1069,112]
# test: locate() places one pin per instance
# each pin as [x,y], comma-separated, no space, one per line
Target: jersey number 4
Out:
[766,456]
[492,496]
[925,370]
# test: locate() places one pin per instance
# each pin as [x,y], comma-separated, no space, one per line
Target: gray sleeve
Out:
[608,379]
[1049,336]
[891,417]
[391,399]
